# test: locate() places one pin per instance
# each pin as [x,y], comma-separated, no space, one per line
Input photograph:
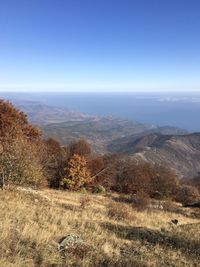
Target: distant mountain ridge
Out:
[175,147]
[102,132]
[40,114]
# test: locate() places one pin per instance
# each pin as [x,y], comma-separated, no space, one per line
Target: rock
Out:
[27,190]
[69,241]
[175,221]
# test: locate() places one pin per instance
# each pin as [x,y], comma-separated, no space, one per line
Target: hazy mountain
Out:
[180,152]
[104,133]
[99,131]
[40,114]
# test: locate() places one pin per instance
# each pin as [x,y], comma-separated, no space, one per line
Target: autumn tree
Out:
[95,165]
[54,158]
[77,173]
[164,182]
[14,123]
[80,147]
[187,194]
[19,162]
[132,177]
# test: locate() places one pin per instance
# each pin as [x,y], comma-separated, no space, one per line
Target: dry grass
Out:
[32,224]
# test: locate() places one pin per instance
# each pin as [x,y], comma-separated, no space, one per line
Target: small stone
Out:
[69,241]
[175,221]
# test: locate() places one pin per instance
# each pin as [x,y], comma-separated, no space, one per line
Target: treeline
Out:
[27,159]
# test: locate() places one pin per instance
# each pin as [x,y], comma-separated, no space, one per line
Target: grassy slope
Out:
[31,226]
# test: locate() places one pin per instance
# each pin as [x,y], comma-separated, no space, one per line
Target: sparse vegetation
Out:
[130,226]
[30,232]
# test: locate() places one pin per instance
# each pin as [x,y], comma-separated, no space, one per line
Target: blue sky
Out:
[100,45]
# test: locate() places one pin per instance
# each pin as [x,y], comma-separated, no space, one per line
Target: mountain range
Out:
[175,147]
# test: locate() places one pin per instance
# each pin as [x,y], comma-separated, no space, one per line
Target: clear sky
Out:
[100,45]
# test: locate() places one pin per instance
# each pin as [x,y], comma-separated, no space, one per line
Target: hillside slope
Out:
[99,131]
[35,223]
[180,152]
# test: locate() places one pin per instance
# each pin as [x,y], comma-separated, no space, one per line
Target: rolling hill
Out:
[179,152]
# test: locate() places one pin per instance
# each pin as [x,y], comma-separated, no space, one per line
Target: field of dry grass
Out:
[113,232]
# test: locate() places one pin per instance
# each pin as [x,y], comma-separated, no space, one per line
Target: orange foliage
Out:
[14,123]
[77,174]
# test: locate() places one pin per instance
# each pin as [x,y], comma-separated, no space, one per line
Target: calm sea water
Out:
[174,109]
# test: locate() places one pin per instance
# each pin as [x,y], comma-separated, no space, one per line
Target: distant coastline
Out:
[174,109]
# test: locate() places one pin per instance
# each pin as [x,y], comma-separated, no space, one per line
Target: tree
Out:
[77,174]
[95,165]
[164,182]
[54,158]
[133,177]
[14,123]
[80,147]
[20,165]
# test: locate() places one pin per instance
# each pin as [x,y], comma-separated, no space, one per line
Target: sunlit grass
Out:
[32,224]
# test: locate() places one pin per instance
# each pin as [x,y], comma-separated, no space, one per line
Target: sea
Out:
[172,109]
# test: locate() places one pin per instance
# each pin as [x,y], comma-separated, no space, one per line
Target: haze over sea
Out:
[174,109]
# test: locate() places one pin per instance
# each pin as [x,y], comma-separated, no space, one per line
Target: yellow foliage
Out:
[77,174]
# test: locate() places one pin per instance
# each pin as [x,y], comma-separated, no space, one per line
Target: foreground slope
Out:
[32,224]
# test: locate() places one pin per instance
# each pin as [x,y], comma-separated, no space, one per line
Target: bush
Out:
[140,201]
[99,189]
[187,194]
[118,212]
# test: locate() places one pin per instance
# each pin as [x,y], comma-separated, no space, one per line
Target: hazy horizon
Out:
[162,109]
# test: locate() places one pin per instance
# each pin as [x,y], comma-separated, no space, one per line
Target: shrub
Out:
[187,194]
[99,189]
[118,212]
[140,201]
